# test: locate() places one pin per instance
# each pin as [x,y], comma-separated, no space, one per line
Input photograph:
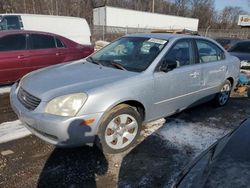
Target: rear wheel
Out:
[120,129]
[223,96]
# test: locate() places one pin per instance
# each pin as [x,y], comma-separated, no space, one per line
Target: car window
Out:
[59,43]
[209,52]
[243,47]
[13,42]
[39,41]
[10,22]
[181,53]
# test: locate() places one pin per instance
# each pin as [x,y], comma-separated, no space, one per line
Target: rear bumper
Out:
[57,130]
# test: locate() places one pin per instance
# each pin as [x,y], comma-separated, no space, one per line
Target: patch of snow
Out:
[124,184]
[193,135]
[214,119]
[12,130]
[152,127]
[5,89]
[143,181]
[7,152]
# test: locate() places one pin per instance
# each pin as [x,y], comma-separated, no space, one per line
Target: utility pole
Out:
[57,12]
[153,5]
[24,5]
[34,6]
[106,2]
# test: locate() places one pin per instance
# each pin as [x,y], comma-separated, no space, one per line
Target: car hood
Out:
[241,56]
[75,77]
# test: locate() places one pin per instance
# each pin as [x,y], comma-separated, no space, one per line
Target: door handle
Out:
[59,53]
[21,56]
[194,74]
[222,68]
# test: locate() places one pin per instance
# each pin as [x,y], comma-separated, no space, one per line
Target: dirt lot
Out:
[6,113]
[163,150]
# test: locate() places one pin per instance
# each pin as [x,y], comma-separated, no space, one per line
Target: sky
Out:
[220,4]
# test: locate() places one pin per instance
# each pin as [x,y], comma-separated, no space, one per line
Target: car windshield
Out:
[129,53]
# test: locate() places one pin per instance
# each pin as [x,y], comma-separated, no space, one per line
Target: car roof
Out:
[243,41]
[10,32]
[164,36]
[237,43]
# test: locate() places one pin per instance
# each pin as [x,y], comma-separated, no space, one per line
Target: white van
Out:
[74,28]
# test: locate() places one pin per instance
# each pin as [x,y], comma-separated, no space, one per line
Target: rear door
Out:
[43,51]
[62,51]
[178,88]
[214,65]
[13,57]
[71,51]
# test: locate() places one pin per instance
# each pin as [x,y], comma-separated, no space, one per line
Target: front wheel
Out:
[119,129]
[223,96]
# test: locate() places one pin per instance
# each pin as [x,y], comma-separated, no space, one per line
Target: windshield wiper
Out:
[91,60]
[113,63]
[117,65]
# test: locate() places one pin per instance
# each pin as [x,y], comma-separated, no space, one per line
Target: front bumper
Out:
[57,130]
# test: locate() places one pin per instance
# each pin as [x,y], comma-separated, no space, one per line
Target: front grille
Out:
[28,100]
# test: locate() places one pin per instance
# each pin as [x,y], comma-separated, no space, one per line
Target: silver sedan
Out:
[105,98]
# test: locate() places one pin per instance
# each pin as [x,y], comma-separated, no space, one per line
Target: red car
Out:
[24,51]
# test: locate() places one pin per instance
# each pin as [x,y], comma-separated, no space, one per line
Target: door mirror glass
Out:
[168,65]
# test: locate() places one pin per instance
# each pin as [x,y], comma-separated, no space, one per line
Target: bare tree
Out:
[229,16]
[182,7]
[204,10]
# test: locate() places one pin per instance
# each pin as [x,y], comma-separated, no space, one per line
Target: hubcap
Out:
[121,131]
[224,94]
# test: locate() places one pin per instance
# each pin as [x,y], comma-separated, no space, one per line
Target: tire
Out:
[114,134]
[223,96]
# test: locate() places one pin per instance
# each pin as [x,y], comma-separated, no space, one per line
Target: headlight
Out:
[67,105]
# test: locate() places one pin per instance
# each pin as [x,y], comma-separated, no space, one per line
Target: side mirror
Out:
[168,65]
